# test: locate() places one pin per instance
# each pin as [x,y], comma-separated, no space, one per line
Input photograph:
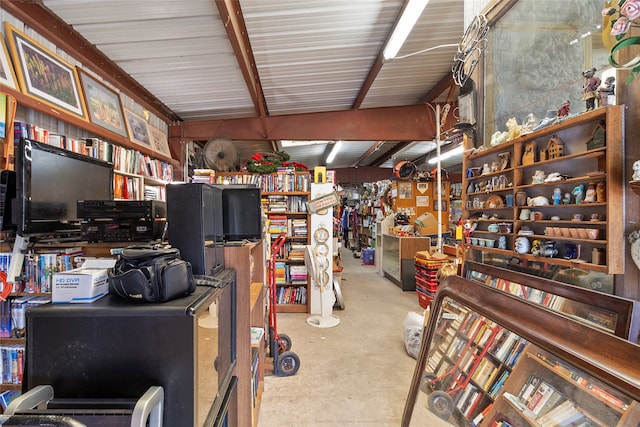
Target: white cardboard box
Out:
[84,284]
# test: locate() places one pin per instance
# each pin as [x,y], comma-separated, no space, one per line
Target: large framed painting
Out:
[7,75]
[138,130]
[103,104]
[159,141]
[44,75]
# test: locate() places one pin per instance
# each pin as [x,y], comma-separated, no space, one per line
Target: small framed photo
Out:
[466,111]
[159,141]
[443,205]
[103,104]
[7,75]
[138,130]
[43,75]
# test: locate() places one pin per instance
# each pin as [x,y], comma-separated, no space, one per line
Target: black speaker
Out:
[195,221]
[242,212]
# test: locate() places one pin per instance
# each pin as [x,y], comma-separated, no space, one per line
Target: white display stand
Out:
[321,279]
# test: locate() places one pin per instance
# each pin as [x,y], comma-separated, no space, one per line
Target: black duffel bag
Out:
[151,274]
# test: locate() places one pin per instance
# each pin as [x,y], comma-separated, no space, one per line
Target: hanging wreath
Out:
[269,162]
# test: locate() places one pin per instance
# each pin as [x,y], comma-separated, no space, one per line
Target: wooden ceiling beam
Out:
[233,21]
[405,123]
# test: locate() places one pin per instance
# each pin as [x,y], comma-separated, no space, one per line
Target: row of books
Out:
[595,315]
[12,366]
[292,295]
[284,203]
[290,274]
[12,314]
[123,159]
[469,400]
[284,181]
[126,187]
[292,250]
[583,381]
[39,268]
[292,227]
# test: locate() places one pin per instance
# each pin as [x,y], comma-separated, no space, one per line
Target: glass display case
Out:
[398,261]
[491,359]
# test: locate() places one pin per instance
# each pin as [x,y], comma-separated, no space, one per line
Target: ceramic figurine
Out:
[548,249]
[590,195]
[537,201]
[538,177]
[590,88]
[564,109]
[502,242]
[607,91]
[550,118]
[601,195]
[570,251]
[636,170]
[578,193]
[523,245]
[557,196]
[528,124]
[566,199]
[535,247]
[513,129]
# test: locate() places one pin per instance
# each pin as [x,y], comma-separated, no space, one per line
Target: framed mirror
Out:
[488,359]
[534,60]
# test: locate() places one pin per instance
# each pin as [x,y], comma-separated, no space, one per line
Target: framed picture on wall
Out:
[44,75]
[103,104]
[443,205]
[159,141]
[138,130]
[7,75]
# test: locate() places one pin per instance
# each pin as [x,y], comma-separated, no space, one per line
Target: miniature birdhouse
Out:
[555,148]
[597,138]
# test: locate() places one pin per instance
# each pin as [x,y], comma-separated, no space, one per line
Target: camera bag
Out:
[148,273]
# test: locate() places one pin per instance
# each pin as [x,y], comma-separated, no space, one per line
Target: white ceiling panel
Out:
[311,56]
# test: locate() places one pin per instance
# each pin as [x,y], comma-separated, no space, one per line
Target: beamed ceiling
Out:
[257,72]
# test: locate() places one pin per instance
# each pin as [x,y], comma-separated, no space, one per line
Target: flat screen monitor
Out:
[49,183]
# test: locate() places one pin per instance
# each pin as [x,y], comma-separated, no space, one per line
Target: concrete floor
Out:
[355,374]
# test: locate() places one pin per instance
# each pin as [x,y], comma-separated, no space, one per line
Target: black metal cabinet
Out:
[115,349]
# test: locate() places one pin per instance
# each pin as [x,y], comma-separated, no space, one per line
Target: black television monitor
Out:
[49,183]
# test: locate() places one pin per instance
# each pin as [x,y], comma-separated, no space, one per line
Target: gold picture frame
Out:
[44,75]
[138,129]
[159,141]
[7,74]
[103,104]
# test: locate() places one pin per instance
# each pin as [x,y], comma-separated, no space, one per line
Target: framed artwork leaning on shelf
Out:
[159,141]
[138,130]
[44,75]
[103,104]
[7,75]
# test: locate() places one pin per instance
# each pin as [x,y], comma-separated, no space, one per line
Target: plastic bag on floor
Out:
[413,325]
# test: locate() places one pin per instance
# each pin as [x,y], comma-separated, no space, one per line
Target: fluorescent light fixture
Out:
[288,143]
[408,19]
[444,156]
[334,151]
